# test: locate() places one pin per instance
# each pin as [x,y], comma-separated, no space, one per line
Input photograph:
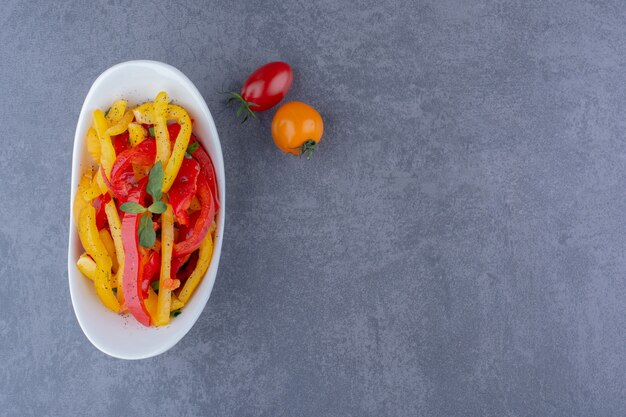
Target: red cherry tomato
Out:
[263,89]
[268,85]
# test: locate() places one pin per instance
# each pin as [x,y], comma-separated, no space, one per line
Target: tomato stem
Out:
[244,106]
[307,148]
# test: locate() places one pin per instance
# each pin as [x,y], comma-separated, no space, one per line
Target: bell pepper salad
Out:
[145,211]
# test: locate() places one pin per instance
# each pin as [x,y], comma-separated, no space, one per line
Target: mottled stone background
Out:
[456,248]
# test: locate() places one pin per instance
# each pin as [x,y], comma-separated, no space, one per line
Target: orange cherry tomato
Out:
[297,128]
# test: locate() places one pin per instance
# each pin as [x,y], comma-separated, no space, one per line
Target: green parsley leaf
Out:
[176,313]
[155,286]
[151,131]
[147,235]
[193,147]
[132,208]
[157,207]
[155,181]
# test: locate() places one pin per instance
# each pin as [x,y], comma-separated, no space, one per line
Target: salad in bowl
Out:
[147,215]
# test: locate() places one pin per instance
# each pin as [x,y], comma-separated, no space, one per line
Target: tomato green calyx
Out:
[244,106]
[307,148]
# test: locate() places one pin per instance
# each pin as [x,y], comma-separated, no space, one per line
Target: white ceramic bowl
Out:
[122,336]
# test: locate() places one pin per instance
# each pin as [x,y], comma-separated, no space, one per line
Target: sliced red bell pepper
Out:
[207,166]
[189,267]
[117,191]
[101,216]
[173,129]
[177,263]
[184,233]
[122,176]
[133,269]
[202,157]
[183,189]
[153,265]
[185,230]
[205,218]
[106,180]
[150,271]
[120,143]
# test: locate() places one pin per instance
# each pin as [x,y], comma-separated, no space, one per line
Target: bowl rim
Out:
[76,171]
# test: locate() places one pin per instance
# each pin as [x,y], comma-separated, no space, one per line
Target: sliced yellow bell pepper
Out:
[152,300]
[180,146]
[100,183]
[167,244]
[107,240]
[176,303]
[121,125]
[88,268]
[145,114]
[151,304]
[79,200]
[93,145]
[116,111]
[204,260]
[136,134]
[83,191]
[92,192]
[100,123]
[107,151]
[115,225]
[90,238]
[161,133]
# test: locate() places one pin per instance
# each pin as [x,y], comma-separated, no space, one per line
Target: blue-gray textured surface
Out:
[456,248]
